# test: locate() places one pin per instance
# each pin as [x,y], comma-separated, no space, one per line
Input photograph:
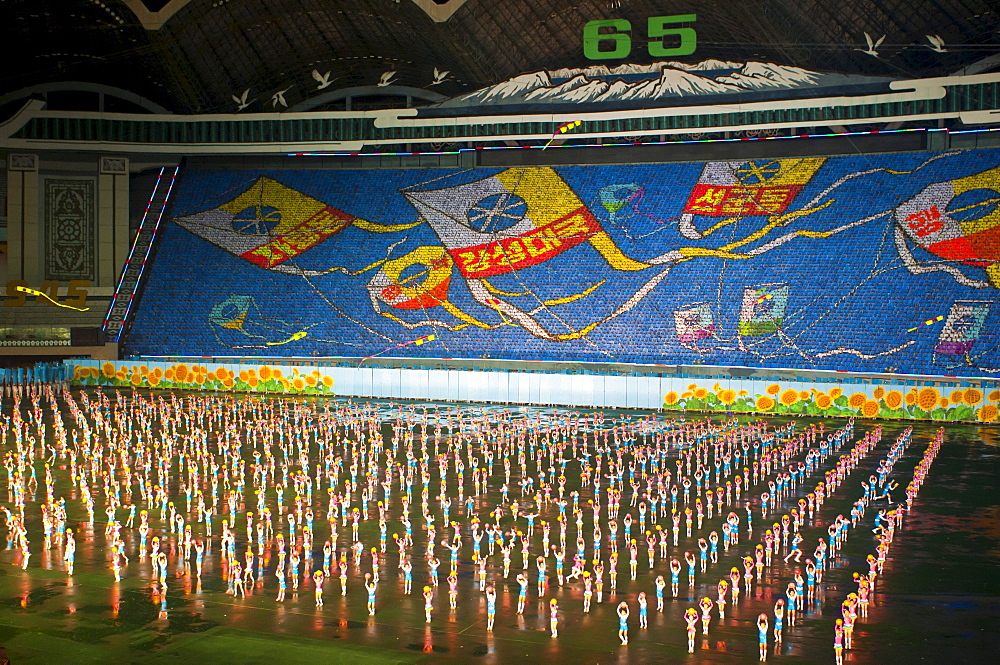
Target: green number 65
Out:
[657,28]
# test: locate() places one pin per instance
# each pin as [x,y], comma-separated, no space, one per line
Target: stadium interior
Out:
[695,226]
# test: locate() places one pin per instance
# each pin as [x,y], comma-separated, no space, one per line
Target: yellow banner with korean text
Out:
[727,189]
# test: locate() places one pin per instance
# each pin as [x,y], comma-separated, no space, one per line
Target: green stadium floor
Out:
[937,601]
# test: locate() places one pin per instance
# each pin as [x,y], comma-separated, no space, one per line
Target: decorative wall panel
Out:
[70,251]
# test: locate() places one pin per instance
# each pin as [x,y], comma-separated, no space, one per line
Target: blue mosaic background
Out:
[850,302]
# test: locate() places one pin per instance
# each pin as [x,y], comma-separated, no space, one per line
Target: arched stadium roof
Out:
[194,56]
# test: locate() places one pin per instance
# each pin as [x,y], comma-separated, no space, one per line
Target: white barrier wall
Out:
[956,400]
[378,382]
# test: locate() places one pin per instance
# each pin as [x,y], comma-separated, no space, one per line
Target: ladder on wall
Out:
[128,284]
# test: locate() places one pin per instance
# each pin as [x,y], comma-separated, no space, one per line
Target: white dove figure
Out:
[241,102]
[440,76]
[279,98]
[386,79]
[872,46]
[937,44]
[322,79]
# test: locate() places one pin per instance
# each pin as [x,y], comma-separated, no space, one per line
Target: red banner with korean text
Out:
[737,200]
[531,248]
[300,238]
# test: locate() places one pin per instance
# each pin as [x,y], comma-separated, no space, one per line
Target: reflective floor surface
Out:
[937,598]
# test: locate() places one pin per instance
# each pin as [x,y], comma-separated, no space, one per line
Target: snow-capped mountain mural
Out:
[660,80]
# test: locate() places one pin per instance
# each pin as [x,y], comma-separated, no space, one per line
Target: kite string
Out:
[902,249]
[521,172]
[335,308]
[917,268]
[577,334]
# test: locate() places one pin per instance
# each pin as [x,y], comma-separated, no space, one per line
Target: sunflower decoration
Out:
[823,401]
[973,396]
[870,409]
[765,403]
[893,399]
[773,389]
[836,392]
[878,393]
[789,397]
[927,398]
[987,413]
[995,395]
[857,400]
[727,396]
[671,398]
